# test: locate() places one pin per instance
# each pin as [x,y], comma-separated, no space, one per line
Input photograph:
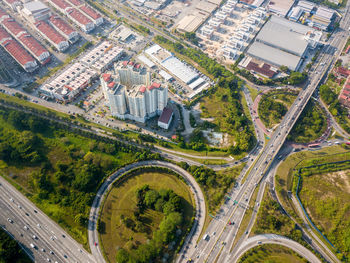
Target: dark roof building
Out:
[165,118]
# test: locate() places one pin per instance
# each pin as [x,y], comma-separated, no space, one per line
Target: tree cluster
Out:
[165,201]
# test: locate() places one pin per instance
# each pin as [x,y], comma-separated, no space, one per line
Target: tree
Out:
[122,256]
[151,198]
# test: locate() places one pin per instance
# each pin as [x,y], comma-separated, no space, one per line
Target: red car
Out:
[95,244]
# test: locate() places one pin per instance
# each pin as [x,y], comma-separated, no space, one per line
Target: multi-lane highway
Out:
[29,225]
[221,232]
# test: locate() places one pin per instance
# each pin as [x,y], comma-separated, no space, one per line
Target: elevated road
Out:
[278,240]
[222,232]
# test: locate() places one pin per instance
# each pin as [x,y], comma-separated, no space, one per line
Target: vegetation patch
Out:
[271,253]
[10,251]
[274,105]
[326,197]
[311,124]
[146,215]
[59,169]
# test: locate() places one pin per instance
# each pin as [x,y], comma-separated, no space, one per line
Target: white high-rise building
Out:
[131,95]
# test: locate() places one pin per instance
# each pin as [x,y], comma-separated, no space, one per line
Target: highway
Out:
[221,233]
[29,225]
[278,240]
[199,219]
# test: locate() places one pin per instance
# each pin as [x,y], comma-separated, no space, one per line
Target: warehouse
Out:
[35,11]
[51,35]
[190,23]
[282,42]
[323,18]
[280,7]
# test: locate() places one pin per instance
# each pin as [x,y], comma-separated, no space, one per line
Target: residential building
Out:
[165,118]
[64,29]
[52,36]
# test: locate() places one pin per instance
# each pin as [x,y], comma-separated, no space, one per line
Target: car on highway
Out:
[35,237]
[95,244]
[10,220]
[32,245]
[26,228]
[51,252]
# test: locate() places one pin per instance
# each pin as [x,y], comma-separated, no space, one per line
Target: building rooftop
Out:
[76,2]
[61,25]
[284,34]
[32,44]
[50,32]
[280,6]
[274,55]
[79,16]
[17,52]
[4,35]
[166,115]
[11,25]
[90,12]
[35,6]
[61,4]
[3,14]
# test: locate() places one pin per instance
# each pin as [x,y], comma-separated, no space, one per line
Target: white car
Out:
[32,245]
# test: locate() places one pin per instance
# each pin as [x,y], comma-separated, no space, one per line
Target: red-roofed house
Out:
[60,5]
[111,85]
[94,15]
[3,15]
[80,19]
[262,69]
[341,71]
[27,41]
[165,118]
[142,89]
[17,52]
[35,48]
[106,77]
[156,85]
[76,3]
[51,35]
[64,28]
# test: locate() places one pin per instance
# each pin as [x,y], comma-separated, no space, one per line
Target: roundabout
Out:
[199,202]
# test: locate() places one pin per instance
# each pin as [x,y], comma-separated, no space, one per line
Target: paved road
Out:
[192,238]
[274,239]
[263,162]
[48,235]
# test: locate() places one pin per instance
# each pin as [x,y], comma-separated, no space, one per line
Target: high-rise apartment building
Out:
[130,93]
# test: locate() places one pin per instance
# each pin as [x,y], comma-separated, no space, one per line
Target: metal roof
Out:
[273,55]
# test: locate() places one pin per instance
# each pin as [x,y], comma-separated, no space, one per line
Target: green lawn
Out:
[326,197]
[253,92]
[284,174]
[121,200]
[271,253]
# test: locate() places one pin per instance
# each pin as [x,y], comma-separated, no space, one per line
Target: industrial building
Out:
[258,68]
[92,14]
[322,18]
[280,7]
[64,28]
[67,85]
[171,64]
[17,52]
[51,35]
[130,93]
[252,3]
[80,19]
[165,118]
[35,11]
[282,42]
[190,23]
[102,56]
[27,41]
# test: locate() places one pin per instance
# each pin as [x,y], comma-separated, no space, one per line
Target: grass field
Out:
[121,200]
[271,253]
[326,197]
[253,92]
[284,174]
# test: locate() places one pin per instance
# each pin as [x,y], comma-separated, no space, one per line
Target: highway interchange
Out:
[45,235]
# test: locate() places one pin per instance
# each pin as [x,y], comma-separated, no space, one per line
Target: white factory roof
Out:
[196,83]
[146,61]
[305,5]
[165,75]
[284,34]
[197,91]
[35,6]
[179,69]
[273,55]
[280,6]
[324,13]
